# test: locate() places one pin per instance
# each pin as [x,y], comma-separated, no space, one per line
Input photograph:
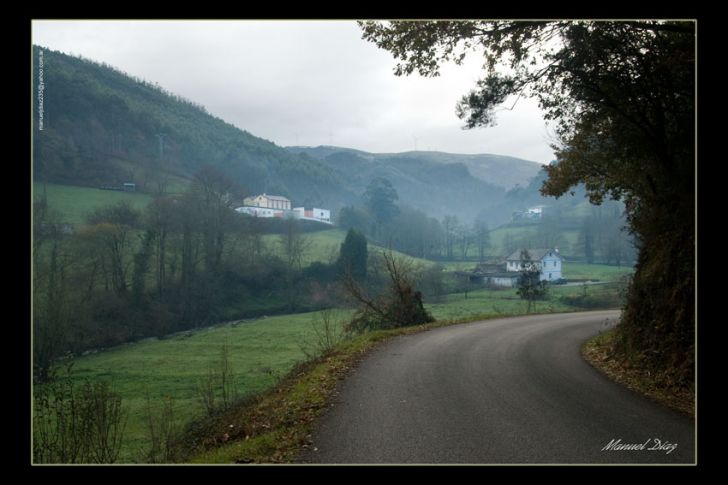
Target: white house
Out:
[536,211]
[548,262]
[259,211]
[276,206]
[268,202]
[315,214]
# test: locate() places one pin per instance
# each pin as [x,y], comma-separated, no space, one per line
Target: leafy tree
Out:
[380,198]
[352,217]
[622,96]
[530,286]
[353,256]
[414,233]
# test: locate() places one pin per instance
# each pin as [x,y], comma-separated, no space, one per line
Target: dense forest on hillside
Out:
[102,126]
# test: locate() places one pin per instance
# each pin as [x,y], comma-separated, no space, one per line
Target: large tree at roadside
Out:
[621,95]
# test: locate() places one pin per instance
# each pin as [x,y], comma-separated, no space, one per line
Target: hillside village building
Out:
[532,214]
[548,262]
[277,206]
[314,214]
[506,273]
[266,201]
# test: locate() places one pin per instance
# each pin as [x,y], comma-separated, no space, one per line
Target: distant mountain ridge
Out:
[501,170]
[430,184]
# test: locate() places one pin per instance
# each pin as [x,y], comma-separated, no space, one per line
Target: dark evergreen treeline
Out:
[102,126]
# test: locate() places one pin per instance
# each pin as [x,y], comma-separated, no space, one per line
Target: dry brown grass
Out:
[598,352]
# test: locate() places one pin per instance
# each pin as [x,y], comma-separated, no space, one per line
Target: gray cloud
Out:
[302,83]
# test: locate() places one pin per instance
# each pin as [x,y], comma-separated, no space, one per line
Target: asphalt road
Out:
[512,390]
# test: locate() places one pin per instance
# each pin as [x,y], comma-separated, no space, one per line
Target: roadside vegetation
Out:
[661,387]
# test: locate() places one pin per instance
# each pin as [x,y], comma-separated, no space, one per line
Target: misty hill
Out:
[435,187]
[500,170]
[102,126]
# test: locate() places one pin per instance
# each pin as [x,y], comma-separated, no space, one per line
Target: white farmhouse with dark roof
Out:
[548,262]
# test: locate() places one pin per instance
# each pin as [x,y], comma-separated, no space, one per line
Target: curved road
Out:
[513,390]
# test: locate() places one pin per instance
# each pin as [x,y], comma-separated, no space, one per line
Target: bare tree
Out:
[399,306]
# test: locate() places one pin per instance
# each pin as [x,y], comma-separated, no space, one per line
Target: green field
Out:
[73,203]
[600,272]
[323,246]
[506,302]
[261,351]
[265,349]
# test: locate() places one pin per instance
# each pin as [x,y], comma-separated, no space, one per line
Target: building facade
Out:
[314,214]
[276,206]
[547,261]
[266,201]
[259,211]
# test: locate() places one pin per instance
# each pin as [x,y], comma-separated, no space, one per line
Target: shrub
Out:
[399,306]
[77,423]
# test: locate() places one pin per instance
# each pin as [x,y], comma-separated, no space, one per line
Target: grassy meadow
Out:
[323,246]
[74,203]
[263,350]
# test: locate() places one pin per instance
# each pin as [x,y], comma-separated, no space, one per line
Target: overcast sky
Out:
[302,83]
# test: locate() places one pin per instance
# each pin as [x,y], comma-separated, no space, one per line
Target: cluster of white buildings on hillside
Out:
[265,205]
[506,272]
[532,214]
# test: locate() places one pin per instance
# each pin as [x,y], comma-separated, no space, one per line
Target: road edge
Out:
[597,352]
